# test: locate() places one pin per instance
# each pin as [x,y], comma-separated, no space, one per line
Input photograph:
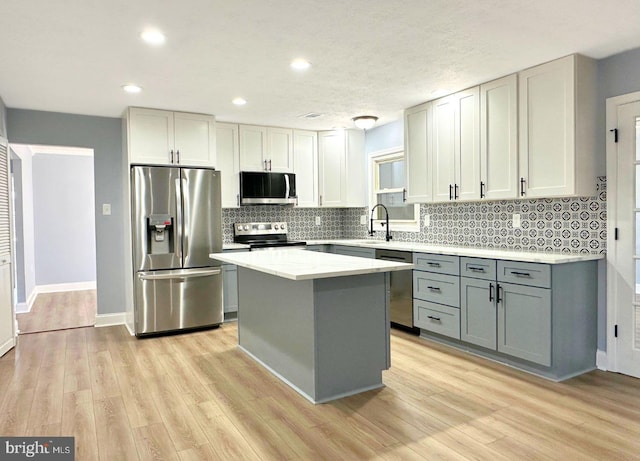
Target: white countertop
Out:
[299,264]
[234,246]
[492,253]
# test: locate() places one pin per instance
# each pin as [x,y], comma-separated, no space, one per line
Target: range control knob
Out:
[246,228]
[275,227]
[282,226]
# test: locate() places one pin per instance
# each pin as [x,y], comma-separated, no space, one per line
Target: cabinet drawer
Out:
[478,268]
[438,288]
[434,317]
[442,264]
[531,274]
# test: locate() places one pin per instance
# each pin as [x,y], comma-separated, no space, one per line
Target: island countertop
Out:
[300,264]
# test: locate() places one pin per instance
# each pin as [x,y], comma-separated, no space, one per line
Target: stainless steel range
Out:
[264,235]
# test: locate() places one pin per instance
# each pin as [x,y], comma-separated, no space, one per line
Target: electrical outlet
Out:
[106,209]
[363,219]
[427,220]
[515,220]
[318,220]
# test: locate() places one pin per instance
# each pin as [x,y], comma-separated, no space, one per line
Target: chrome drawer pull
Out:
[432,317]
[521,274]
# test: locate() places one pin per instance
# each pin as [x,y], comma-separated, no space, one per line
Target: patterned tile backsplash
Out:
[569,225]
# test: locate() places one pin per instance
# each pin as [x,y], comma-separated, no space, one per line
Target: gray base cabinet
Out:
[230,289]
[524,322]
[354,251]
[541,318]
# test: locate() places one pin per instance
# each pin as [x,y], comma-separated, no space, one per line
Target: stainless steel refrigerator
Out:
[176,222]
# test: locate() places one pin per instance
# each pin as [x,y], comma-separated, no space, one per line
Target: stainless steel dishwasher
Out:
[401,290]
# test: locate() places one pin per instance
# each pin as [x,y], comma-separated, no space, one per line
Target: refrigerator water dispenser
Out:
[159,233]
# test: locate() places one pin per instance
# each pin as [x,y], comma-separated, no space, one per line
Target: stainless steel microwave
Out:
[267,188]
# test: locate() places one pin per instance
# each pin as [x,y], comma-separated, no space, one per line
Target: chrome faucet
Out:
[388,236]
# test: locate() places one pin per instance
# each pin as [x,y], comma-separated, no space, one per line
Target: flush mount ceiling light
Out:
[153,37]
[364,122]
[300,64]
[239,101]
[131,88]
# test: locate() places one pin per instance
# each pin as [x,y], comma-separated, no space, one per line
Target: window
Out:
[388,188]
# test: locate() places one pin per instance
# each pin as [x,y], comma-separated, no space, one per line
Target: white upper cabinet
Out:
[227,153]
[417,144]
[456,147]
[499,138]
[341,163]
[159,137]
[557,128]
[266,149]
[305,167]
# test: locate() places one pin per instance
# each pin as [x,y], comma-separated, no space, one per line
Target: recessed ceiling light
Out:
[239,101]
[131,88]
[153,37]
[300,64]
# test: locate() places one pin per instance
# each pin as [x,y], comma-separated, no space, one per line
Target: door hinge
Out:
[615,331]
[615,134]
[615,234]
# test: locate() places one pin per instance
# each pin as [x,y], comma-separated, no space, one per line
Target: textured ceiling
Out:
[369,57]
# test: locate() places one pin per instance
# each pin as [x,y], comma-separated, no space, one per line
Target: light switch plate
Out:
[427,220]
[106,209]
[318,220]
[515,222]
[363,219]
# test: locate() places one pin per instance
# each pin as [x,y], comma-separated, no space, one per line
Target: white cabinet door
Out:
[253,148]
[228,162]
[499,138]
[418,137]
[305,163]
[279,150]
[546,129]
[194,139]
[558,129]
[444,148]
[467,156]
[332,168]
[150,136]
[356,170]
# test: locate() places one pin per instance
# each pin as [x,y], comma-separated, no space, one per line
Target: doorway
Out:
[623,254]
[54,237]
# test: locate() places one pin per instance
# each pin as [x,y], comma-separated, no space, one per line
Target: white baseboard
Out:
[107,320]
[23,308]
[7,346]
[601,360]
[59,287]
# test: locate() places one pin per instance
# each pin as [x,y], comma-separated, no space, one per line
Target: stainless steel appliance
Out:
[176,222]
[401,290]
[267,188]
[264,235]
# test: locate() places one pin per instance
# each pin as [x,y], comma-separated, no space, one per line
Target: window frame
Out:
[384,156]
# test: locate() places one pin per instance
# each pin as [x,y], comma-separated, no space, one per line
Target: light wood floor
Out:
[58,311]
[196,396]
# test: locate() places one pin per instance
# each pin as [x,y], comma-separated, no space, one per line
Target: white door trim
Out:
[612,180]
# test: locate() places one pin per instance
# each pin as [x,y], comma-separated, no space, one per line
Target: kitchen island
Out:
[318,321]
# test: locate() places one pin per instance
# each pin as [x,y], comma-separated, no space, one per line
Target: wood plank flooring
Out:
[197,397]
[58,311]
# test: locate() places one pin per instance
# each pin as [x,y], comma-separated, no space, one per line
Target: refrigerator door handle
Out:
[178,275]
[179,225]
[186,224]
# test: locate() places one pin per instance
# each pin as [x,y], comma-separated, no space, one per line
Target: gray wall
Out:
[104,136]
[64,219]
[3,119]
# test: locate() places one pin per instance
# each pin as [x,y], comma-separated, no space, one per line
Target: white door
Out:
[305,166]
[253,148]
[151,136]
[7,337]
[280,150]
[417,145]
[467,158]
[623,259]
[228,162]
[444,151]
[332,167]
